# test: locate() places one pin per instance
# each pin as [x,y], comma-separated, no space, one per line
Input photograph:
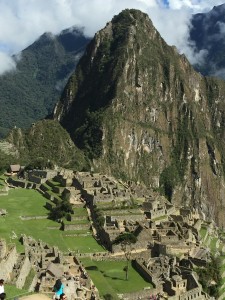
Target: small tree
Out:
[62,209]
[125,240]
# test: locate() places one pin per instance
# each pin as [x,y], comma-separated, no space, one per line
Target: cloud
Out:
[23,21]
[196,6]
[6,63]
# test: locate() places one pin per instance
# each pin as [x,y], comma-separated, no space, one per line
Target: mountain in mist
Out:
[208,35]
[30,93]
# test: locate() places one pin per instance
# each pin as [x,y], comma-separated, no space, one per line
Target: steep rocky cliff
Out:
[141,112]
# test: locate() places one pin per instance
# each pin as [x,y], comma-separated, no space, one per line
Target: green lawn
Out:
[80,211]
[23,202]
[12,292]
[212,245]
[109,277]
[203,232]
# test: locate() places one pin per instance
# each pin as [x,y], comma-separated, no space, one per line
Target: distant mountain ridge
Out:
[208,35]
[30,93]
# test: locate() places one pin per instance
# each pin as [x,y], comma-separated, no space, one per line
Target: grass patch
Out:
[213,244]
[29,279]
[12,291]
[55,183]
[23,202]
[80,212]
[203,232]
[109,277]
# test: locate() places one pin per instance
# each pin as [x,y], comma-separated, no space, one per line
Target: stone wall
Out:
[34,178]
[33,284]
[76,227]
[7,263]
[189,295]
[33,217]
[24,271]
[137,264]
[17,183]
[144,294]
[130,217]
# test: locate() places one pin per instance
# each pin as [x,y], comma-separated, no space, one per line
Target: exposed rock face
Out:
[140,111]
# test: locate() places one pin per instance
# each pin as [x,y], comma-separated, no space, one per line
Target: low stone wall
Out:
[143,294]
[49,196]
[17,183]
[76,227]
[44,188]
[34,179]
[58,190]
[33,217]
[31,185]
[49,205]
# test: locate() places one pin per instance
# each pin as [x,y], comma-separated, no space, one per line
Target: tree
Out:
[62,209]
[125,240]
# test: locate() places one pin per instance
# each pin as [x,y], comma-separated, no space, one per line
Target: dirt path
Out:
[35,297]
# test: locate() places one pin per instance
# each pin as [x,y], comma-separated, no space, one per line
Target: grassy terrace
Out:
[203,232]
[12,292]
[23,202]
[109,277]
[80,211]
[55,183]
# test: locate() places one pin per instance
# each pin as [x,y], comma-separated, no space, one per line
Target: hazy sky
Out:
[23,21]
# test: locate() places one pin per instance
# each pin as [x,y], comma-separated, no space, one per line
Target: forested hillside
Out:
[30,93]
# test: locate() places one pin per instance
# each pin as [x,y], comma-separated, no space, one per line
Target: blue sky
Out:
[23,21]
[166,3]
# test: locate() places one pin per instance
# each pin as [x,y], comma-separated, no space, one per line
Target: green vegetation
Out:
[126,238]
[62,209]
[203,232]
[12,292]
[29,279]
[5,161]
[210,277]
[99,218]
[30,93]
[21,202]
[108,276]
[44,145]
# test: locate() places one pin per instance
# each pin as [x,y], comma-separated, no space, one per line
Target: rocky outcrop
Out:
[141,112]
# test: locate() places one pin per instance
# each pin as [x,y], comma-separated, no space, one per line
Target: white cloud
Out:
[195,5]
[23,21]
[6,63]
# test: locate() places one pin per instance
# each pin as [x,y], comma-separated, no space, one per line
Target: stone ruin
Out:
[50,264]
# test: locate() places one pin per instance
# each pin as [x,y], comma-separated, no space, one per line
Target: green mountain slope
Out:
[45,144]
[141,112]
[30,93]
